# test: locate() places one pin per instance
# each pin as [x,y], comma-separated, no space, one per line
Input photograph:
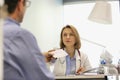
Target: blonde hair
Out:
[76,34]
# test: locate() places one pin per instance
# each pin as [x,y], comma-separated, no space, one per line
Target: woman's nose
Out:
[68,36]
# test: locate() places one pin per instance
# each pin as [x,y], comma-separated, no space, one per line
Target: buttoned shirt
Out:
[22,57]
[70,65]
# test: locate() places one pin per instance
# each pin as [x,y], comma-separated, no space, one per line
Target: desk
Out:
[81,77]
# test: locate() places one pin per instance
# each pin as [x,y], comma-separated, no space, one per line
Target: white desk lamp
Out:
[101,13]
[92,42]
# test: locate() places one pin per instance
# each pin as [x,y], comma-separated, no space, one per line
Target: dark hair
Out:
[11,5]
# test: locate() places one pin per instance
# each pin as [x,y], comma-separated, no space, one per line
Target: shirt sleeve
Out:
[24,58]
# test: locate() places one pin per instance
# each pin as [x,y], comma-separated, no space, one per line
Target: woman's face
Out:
[68,37]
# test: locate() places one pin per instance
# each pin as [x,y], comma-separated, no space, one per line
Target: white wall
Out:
[107,35]
[44,19]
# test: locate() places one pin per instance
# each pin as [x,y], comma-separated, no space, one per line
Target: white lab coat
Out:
[60,63]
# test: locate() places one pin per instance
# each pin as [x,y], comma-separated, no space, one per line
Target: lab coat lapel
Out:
[78,60]
[63,61]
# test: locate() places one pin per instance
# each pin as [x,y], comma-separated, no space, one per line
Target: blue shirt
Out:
[22,57]
[70,65]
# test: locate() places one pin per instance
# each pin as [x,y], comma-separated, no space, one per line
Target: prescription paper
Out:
[59,53]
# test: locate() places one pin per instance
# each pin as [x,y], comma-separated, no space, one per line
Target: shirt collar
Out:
[74,57]
[8,19]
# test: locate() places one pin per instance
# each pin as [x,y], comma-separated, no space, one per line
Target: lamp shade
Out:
[101,13]
[1,2]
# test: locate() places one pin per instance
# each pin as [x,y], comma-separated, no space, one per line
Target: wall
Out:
[44,19]
[106,35]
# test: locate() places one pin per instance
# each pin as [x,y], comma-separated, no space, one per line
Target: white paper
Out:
[59,53]
[90,73]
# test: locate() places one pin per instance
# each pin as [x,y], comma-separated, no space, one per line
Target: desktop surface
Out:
[81,77]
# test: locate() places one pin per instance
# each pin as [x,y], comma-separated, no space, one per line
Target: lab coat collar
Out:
[77,54]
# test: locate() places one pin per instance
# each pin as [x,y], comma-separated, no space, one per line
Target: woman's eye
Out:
[71,34]
[65,35]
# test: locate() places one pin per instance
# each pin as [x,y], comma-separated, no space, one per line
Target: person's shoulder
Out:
[25,32]
[12,29]
[18,32]
[82,53]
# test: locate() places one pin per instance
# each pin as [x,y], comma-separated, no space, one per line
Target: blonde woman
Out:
[76,61]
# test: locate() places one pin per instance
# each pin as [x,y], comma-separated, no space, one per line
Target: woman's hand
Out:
[80,70]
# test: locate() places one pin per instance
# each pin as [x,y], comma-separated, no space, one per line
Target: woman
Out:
[75,62]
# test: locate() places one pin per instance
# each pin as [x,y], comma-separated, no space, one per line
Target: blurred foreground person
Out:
[22,57]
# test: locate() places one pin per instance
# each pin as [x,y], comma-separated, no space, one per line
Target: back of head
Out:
[11,5]
[16,9]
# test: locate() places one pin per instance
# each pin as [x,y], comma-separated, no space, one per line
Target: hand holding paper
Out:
[59,53]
